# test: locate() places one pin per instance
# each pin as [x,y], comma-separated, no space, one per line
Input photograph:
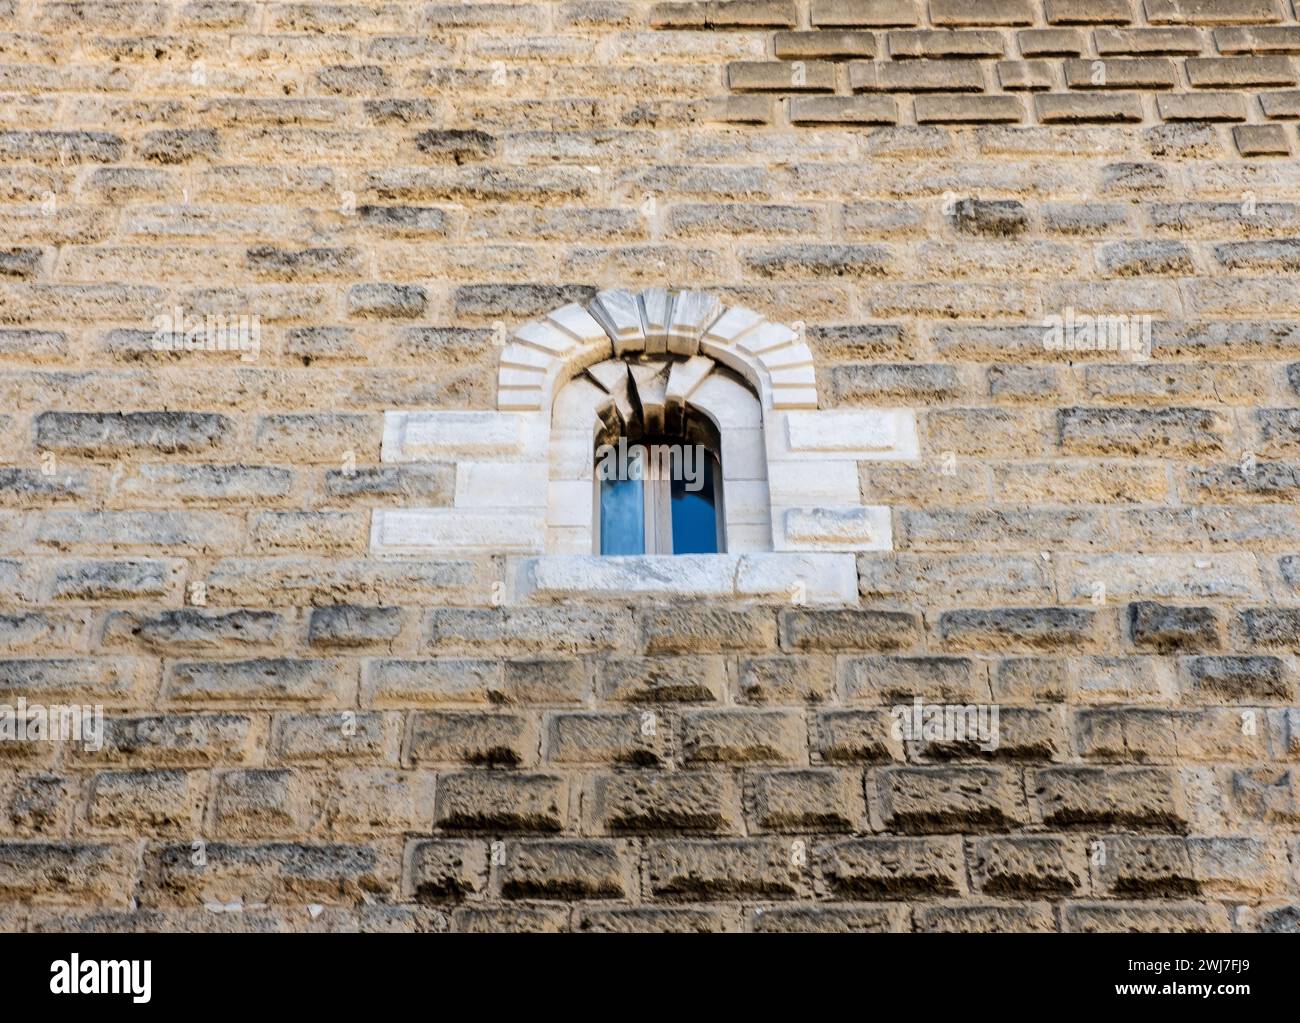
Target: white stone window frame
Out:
[525,473]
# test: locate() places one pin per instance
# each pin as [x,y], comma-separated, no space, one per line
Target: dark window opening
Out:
[660,494]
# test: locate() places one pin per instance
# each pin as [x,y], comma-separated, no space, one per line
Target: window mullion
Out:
[658,519]
[664,504]
[649,508]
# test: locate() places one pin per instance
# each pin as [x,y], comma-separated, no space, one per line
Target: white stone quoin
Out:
[525,472]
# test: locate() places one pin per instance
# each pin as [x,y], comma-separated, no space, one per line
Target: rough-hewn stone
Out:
[287,296]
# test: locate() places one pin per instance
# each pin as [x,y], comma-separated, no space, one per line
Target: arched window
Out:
[660,493]
[672,460]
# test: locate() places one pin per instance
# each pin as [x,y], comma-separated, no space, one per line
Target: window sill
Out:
[813,578]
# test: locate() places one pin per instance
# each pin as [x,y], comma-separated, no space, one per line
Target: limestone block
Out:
[685,377]
[788,357]
[651,384]
[794,398]
[729,404]
[456,531]
[525,357]
[734,322]
[858,434]
[593,577]
[812,482]
[520,399]
[861,528]
[576,405]
[436,436]
[512,378]
[765,337]
[656,311]
[814,578]
[571,503]
[501,485]
[569,539]
[546,337]
[521,378]
[571,455]
[744,456]
[579,324]
[746,502]
[801,577]
[616,383]
[692,312]
[611,374]
[618,312]
[792,378]
[749,537]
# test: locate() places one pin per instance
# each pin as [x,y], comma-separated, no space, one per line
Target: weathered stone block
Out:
[489,801]
[942,799]
[723,869]
[893,868]
[647,801]
[1120,797]
[816,800]
[565,869]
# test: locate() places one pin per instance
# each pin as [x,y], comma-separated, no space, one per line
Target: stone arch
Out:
[546,353]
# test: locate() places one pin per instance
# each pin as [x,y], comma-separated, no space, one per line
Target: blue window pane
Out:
[622,517]
[695,513]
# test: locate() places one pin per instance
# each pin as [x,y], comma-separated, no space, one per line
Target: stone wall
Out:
[1094,327]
